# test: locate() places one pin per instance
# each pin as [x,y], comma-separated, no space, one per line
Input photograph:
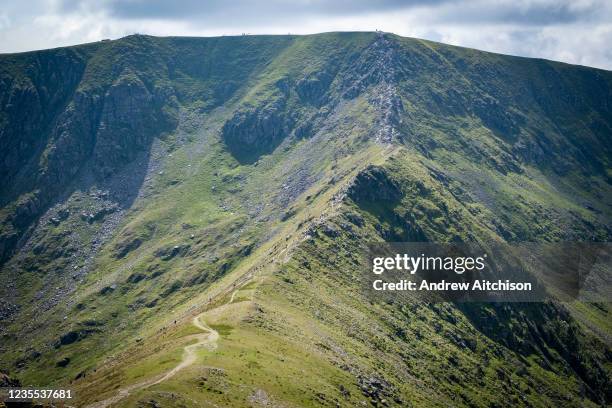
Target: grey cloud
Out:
[245,9]
[533,13]
[529,12]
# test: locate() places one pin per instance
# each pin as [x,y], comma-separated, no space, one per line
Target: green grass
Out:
[222,329]
[300,332]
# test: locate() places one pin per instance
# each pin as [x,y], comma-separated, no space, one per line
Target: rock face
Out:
[131,116]
[374,185]
[99,132]
[314,86]
[255,131]
[55,125]
[299,104]
[34,89]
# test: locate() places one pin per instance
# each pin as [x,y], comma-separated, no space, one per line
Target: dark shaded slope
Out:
[565,115]
[35,88]
[96,107]
[427,354]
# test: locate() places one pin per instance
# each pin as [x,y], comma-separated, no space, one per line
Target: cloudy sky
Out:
[575,31]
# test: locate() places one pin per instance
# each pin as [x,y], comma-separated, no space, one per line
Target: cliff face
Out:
[141,175]
[93,107]
[54,126]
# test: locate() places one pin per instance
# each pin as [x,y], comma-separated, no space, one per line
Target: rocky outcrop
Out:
[7,381]
[497,116]
[125,247]
[131,116]
[72,140]
[312,87]
[74,336]
[34,89]
[374,185]
[101,128]
[254,131]
[299,106]
[170,252]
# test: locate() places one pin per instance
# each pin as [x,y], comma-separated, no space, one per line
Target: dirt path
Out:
[207,339]
[232,298]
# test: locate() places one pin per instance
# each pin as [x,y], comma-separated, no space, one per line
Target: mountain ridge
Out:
[179,167]
[186,37]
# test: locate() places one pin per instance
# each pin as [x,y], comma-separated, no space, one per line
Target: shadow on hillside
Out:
[548,331]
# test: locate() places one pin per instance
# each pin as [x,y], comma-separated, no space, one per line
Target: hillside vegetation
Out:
[147,182]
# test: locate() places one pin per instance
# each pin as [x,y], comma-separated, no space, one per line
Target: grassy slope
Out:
[291,331]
